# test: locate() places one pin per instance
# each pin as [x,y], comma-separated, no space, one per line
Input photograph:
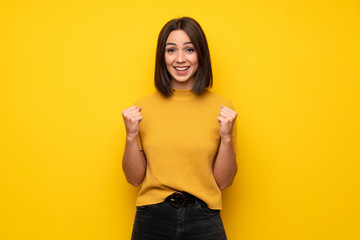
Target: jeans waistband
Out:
[180,199]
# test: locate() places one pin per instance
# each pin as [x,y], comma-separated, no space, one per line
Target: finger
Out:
[138,116]
[136,110]
[229,110]
[132,117]
[228,114]
[135,119]
[130,113]
[221,120]
[129,108]
[140,119]
[225,114]
[223,106]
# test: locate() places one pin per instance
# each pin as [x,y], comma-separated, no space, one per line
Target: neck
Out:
[183,85]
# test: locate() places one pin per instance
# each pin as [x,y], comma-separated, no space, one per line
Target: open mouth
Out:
[181,70]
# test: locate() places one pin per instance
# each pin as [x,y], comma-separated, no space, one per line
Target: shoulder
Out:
[219,99]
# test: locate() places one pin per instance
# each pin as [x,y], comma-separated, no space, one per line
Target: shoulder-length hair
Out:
[203,75]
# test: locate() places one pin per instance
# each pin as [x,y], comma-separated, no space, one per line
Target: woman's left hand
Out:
[226,119]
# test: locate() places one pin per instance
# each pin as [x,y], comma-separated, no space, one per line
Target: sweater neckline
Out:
[183,94]
[187,94]
[181,90]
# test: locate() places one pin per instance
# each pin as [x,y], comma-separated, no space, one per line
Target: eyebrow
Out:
[170,43]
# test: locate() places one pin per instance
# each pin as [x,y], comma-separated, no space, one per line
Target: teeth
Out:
[181,68]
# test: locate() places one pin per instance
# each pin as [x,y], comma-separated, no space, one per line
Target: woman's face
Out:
[181,59]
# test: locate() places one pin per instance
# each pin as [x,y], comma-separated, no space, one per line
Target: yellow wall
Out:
[68,69]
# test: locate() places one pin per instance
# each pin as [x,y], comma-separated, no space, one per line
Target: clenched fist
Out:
[132,118]
[226,119]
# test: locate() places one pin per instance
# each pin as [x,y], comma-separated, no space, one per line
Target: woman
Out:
[180,142]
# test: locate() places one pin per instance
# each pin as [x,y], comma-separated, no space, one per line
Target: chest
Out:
[182,128]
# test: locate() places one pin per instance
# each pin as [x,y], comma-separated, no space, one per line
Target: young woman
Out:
[180,142]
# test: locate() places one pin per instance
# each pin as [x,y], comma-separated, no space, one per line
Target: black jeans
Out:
[194,221]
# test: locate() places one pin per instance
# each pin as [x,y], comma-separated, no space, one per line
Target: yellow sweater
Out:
[180,138]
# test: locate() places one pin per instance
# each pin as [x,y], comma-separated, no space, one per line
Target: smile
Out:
[181,70]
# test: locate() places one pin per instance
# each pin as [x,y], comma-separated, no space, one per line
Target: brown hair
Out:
[203,75]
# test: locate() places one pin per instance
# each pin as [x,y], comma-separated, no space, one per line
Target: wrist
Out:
[226,138]
[131,137]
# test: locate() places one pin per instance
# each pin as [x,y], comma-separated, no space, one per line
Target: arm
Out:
[225,166]
[134,160]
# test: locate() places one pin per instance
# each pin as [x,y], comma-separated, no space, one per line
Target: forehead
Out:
[178,36]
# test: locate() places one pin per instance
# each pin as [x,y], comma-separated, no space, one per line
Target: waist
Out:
[149,194]
[180,199]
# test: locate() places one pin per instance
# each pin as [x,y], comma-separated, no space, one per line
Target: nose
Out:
[180,57]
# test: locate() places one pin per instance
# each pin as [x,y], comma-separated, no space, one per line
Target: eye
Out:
[170,50]
[190,50]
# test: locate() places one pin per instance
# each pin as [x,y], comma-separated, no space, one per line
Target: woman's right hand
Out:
[134,160]
[132,118]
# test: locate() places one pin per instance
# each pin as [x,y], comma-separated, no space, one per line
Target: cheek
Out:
[194,59]
[167,63]
[168,59]
[195,63]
